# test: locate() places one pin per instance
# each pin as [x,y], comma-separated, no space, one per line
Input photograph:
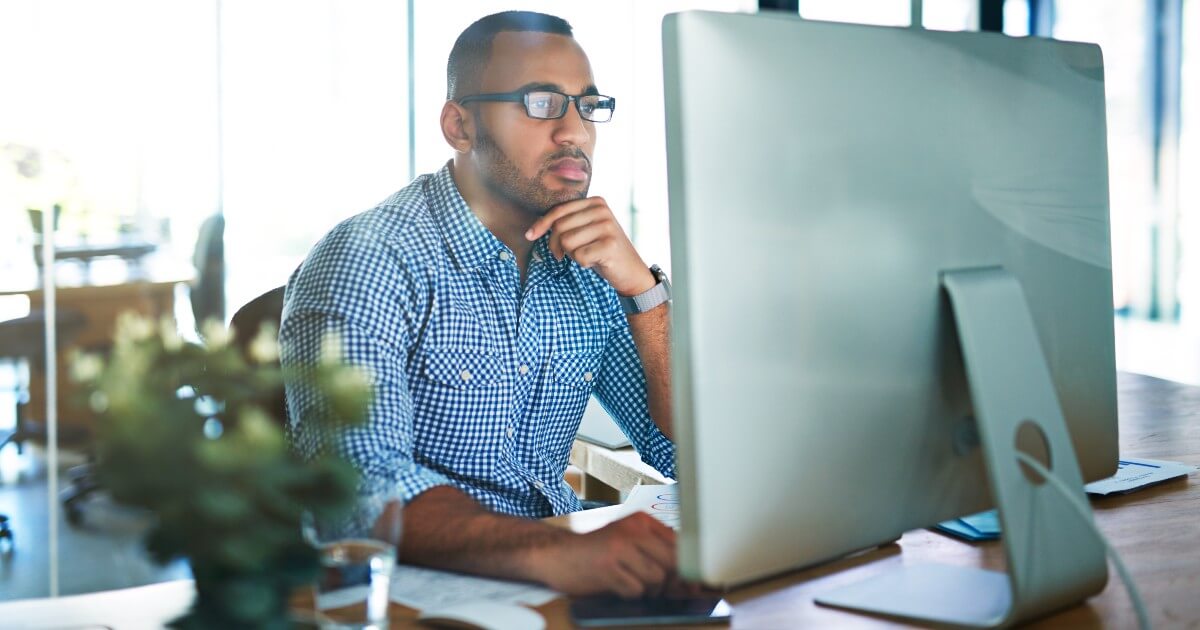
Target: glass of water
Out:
[358,555]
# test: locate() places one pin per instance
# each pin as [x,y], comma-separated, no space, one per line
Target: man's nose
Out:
[572,128]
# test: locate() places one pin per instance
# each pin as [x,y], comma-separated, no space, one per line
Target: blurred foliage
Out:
[193,434]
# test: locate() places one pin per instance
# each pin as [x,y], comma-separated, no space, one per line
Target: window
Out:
[1189,165]
[1121,28]
[623,40]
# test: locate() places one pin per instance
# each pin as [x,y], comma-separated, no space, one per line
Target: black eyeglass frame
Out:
[522,96]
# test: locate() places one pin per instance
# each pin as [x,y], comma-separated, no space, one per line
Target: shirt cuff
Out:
[416,479]
[660,454]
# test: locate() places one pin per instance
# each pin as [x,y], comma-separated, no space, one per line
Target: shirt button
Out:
[504,256]
[587,376]
[510,431]
[466,375]
[524,369]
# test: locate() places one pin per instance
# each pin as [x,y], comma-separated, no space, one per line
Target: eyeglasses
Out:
[547,105]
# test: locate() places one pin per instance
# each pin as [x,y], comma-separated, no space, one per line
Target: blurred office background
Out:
[198,149]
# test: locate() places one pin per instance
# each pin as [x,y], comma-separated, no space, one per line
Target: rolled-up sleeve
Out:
[356,291]
[621,390]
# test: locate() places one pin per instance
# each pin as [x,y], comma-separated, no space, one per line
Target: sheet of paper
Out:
[426,589]
[661,502]
[1134,473]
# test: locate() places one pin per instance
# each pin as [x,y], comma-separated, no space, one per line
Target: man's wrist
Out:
[647,282]
[542,561]
[652,297]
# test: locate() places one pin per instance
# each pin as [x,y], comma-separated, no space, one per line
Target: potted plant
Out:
[184,433]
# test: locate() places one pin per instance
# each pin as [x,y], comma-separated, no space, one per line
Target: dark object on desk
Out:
[972,528]
[609,610]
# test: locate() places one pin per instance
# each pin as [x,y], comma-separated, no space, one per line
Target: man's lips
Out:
[571,169]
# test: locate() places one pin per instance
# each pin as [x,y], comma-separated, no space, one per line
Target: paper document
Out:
[1134,473]
[426,589]
[661,502]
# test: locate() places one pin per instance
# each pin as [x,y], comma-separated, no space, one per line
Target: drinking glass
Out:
[358,555]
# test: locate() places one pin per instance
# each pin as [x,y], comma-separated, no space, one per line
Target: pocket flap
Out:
[463,367]
[576,370]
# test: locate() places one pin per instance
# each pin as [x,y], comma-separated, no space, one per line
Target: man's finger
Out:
[649,574]
[662,553]
[625,583]
[664,533]
[578,238]
[542,225]
[596,213]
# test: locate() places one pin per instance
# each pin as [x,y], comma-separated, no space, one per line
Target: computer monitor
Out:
[823,179]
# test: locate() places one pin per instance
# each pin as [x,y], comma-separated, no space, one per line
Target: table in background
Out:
[100,294]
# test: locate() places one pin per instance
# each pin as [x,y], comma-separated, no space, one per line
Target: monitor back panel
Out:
[821,175]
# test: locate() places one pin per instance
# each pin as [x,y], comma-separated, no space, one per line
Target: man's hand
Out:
[632,557]
[587,231]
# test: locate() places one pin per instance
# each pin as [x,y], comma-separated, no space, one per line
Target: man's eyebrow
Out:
[553,87]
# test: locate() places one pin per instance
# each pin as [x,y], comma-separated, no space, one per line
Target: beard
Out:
[502,178]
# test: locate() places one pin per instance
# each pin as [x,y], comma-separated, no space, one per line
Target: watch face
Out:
[660,275]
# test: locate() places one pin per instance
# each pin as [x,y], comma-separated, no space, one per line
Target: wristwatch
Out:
[652,297]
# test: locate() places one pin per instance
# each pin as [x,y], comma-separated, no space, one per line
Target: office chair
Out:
[266,308]
[207,291]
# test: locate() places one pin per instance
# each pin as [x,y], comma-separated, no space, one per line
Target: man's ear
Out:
[458,127]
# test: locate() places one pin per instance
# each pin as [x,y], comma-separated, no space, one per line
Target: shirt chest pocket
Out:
[575,370]
[463,368]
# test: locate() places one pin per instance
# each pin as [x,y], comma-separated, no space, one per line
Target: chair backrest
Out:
[208,288]
[246,323]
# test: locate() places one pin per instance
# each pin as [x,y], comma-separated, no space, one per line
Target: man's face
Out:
[531,163]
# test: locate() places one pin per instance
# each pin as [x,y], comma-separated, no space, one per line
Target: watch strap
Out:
[650,298]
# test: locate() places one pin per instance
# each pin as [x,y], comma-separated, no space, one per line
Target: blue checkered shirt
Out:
[480,382]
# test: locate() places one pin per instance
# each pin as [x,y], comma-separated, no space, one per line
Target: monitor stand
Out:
[1054,558]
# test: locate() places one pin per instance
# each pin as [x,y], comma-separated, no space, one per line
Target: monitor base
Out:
[1054,559]
[938,593]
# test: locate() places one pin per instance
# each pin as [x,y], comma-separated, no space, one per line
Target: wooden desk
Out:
[1157,532]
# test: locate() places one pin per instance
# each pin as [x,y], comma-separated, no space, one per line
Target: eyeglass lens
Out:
[592,107]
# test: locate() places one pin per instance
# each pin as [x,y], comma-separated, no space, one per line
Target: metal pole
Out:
[412,97]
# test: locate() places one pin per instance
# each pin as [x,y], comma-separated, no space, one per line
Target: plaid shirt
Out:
[480,382]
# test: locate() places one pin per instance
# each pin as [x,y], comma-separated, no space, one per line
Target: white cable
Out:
[1085,514]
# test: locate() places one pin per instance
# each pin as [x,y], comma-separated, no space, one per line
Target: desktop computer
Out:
[892,274]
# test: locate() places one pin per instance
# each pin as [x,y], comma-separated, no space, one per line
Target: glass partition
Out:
[190,155]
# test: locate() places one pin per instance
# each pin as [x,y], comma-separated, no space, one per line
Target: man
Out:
[488,302]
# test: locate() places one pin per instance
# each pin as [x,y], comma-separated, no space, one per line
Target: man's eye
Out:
[587,107]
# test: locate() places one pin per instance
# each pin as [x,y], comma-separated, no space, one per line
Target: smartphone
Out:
[609,610]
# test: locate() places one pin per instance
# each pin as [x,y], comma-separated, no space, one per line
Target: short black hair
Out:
[473,48]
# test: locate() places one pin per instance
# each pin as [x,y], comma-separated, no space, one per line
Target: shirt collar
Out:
[470,243]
